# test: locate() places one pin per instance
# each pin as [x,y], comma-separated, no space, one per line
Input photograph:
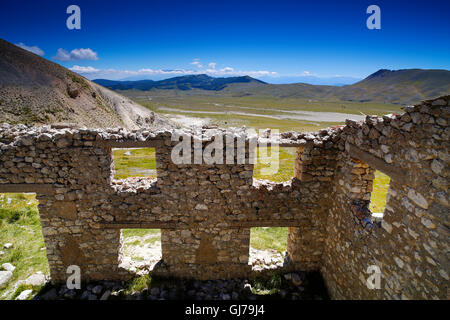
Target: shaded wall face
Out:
[214,206]
[205,253]
[411,245]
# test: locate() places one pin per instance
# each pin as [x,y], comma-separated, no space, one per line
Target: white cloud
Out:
[34,49]
[212,65]
[75,54]
[80,69]
[227,70]
[197,63]
[93,73]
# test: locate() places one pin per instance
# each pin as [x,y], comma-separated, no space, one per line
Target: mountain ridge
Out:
[188,82]
[404,86]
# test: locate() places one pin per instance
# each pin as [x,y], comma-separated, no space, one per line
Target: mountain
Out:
[384,86]
[406,86]
[310,79]
[399,86]
[200,81]
[34,90]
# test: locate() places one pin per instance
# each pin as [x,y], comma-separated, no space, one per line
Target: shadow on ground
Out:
[288,286]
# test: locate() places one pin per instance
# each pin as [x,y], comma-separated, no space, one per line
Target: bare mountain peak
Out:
[379,73]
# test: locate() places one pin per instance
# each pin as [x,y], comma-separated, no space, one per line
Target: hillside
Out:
[384,86]
[34,90]
[406,86]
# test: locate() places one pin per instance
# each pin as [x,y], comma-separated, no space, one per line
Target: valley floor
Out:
[197,108]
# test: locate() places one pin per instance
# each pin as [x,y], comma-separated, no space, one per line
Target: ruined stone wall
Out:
[205,212]
[411,247]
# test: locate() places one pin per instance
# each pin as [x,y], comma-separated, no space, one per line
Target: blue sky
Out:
[276,41]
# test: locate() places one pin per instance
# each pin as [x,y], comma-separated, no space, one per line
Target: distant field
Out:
[141,163]
[264,238]
[252,111]
[379,192]
[134,163]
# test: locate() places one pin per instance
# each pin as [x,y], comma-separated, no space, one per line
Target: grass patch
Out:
[138,284]
[267,287]
[135,243]
[153,240]
[144,282]
[78,80]
[137,239]
[139,162]
[379,192]
[263,238]
[126,233]
[20,225]
[23,287]
[285,158]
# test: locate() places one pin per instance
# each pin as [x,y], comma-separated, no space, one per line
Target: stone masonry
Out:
[205,212]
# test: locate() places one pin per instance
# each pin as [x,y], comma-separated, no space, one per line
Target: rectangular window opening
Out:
[268,247]
[134,162]
[378,197]
[21,240]
[274,166]
[141,249]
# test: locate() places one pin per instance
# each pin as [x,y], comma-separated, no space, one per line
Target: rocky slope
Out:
[34,90]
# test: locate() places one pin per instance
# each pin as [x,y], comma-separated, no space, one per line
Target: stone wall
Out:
[411,247]
[205,212]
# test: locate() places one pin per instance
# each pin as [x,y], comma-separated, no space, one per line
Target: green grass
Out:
[153,240]
[152,236]
[285,168]
[263,238]
[127,233]
[379,192]
[268,287]
[78,80]
[141,163]
[20,225]
[137,284]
